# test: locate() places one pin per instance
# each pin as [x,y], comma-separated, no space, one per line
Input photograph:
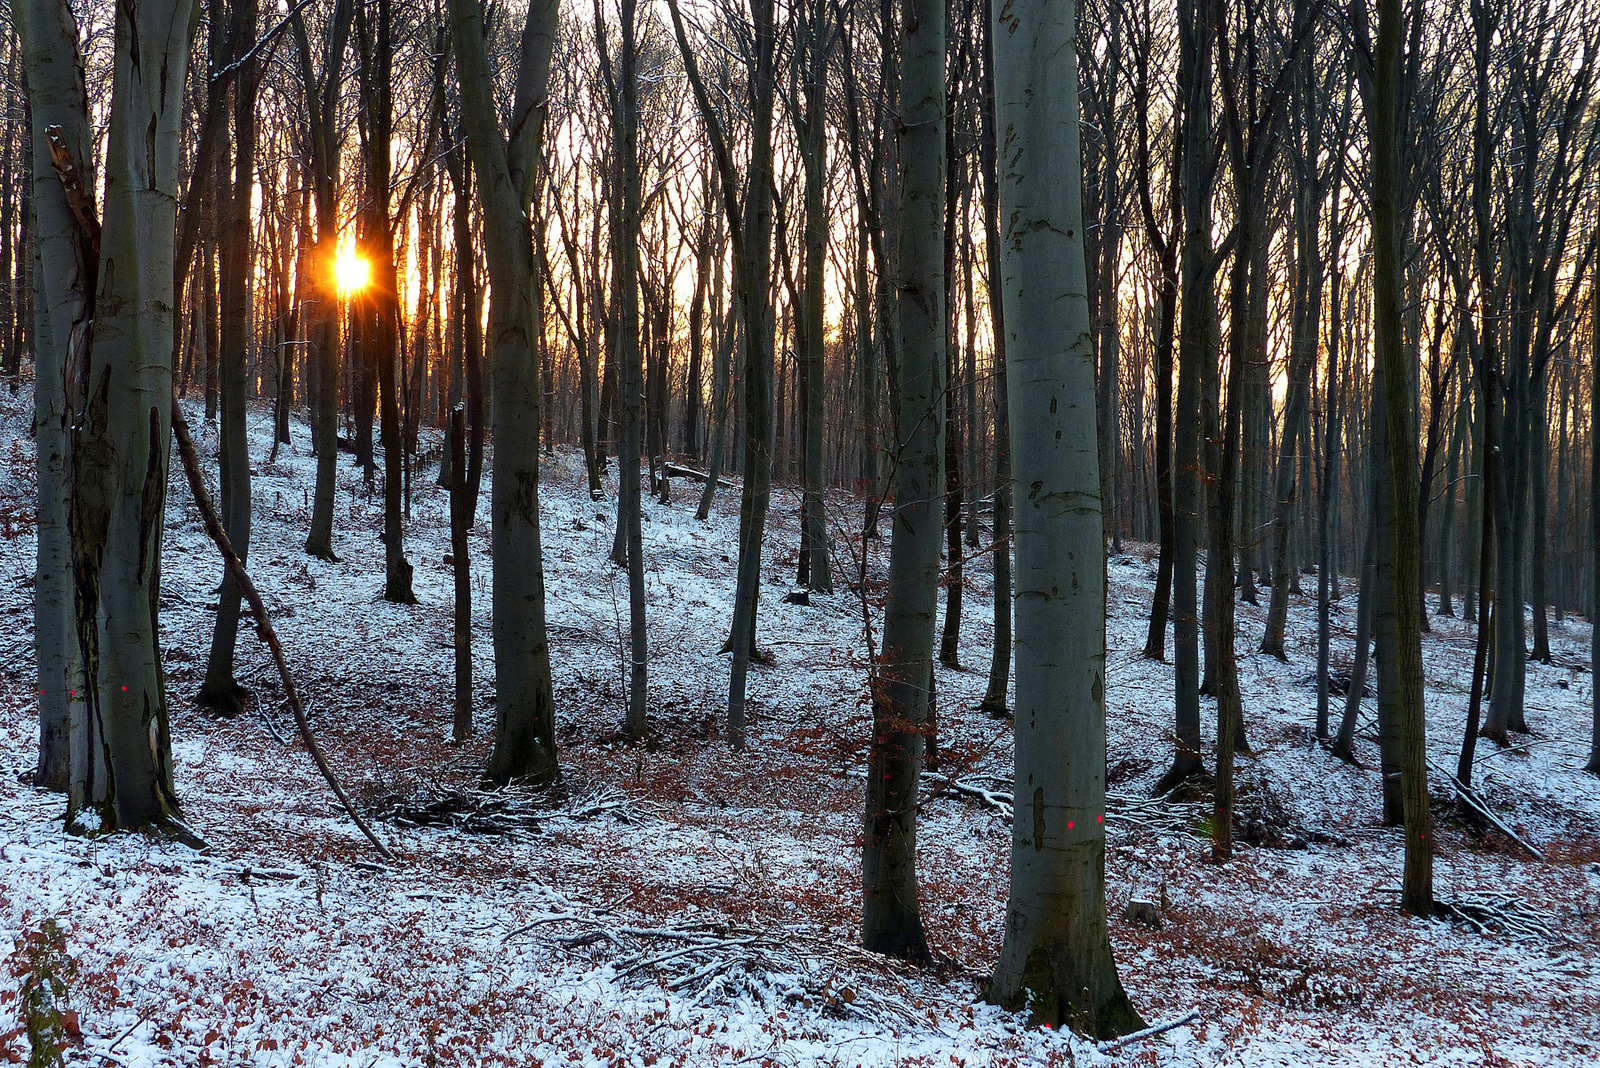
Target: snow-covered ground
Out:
[688,905]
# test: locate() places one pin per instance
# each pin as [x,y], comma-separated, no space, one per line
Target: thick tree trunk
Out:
[1056,962]
[121,750]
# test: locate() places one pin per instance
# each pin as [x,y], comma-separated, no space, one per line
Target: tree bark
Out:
[525,744]
[1056,962]
[220,691]
[1385,128]
[63,304]
[121,749]
[891,920]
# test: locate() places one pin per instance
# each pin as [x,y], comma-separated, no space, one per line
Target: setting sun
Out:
[351,271]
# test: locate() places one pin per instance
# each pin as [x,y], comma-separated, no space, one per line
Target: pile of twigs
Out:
[1132,811]
[1497,912]
[1160,815]
[705,958]
[494,812]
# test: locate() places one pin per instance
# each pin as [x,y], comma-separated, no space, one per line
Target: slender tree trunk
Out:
[755,276]
[891,920]
[220,691]
[460,526]
[1593,767]
[994,698]
[1385,124]
[525,744]
[814,519]
[625,256]
[1194,344]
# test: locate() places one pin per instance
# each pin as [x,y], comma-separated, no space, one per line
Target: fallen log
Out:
[208,516]
[679,471]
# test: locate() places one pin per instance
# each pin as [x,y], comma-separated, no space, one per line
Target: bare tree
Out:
[1056,962]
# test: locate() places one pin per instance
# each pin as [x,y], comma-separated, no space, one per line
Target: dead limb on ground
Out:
[1478,805]
[208,516]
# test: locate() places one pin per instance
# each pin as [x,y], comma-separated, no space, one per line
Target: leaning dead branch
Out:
[1469,798]
[208,515]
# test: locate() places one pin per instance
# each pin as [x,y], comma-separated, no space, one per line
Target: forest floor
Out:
[682,904]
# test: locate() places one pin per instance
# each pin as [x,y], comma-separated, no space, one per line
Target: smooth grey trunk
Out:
[1056,962]
[525,744]
[121,749]
[63,301]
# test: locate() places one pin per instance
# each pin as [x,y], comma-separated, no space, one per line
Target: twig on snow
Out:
[1126,1040]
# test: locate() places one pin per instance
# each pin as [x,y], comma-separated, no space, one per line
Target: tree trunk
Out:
[1056,962]
[814,145]
[1593,767]
[322,306]
[220,692]
[63,304]
[461,568]
[891,920]
[525,744]
[121,749]
[994,698]
[1385,125]
[1194,344]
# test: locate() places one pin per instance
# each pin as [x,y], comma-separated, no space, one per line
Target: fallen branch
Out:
[1127,1040]
[679,471]
[1471,799]
[208,515]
